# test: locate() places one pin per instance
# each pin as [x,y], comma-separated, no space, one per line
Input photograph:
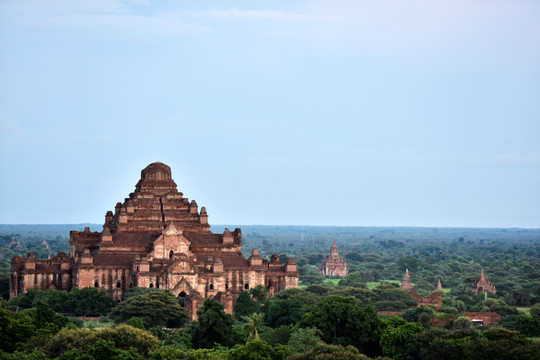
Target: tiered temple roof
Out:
[334,264]
[156,237]
[483,286]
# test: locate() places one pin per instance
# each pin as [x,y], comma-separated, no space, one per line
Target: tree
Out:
[258,350]
[409,262]
[273,337]
[389,298]
[304,296]
[324,351]
[19,355]
[529,324]
[89,301]
[398,336]
[69,339]
[106,350]
[253,322]
[535,310]
[26,300]
[304,339]
[499,343]
[279,312]
[435,344]
[15,329]
[245,305]
[345,321]
[168,353]
[423,313]
[259,293]
[45,317]
[56,299]
[462,323]
[353,279]
[156,308]
[361,294]
[213,326]
[499,307]
[319,290]
[288,306]
[123,337]
[126,337]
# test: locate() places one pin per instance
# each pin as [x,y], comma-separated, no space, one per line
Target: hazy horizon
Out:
[98,227]
[347,113]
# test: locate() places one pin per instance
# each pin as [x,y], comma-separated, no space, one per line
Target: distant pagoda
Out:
[334,265]
[406,284]
[483,286]
[434,299]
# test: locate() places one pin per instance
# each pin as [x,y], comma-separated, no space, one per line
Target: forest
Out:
[326,318]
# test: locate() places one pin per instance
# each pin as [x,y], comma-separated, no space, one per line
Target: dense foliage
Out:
[154,307]
[324,319]
[82,302]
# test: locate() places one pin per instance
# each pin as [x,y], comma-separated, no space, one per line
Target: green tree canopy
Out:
[253,322]
[345,321]
[213,326]
[89,301]
[15,329]
[124,337]
[331,352]
[304,339]
[288,306]
[398,337]
[529,324]
[259,293]
[155,308]
[258,350]
[279,312]
[245,305]
[499,343]
[86,301]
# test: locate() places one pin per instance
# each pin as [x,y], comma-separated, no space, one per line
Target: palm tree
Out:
[253,322]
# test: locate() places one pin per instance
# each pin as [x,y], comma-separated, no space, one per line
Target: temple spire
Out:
[334,251]
[334,264]
[439,285]
[406,284]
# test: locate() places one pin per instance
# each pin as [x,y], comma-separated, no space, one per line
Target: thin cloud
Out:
[252,14]
[12,132]
[476,157]
[508,137]
[124,24]
[112,17]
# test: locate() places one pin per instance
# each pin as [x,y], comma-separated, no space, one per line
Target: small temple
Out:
[334,265]
[483,286]
[434,299]
[406,284]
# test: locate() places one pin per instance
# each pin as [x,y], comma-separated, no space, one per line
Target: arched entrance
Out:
[182,299]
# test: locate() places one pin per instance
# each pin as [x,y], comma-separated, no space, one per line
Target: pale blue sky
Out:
[420,113]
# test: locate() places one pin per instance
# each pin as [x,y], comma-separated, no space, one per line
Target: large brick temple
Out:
[156,238]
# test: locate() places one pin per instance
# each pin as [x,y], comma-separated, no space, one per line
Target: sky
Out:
[360,113]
